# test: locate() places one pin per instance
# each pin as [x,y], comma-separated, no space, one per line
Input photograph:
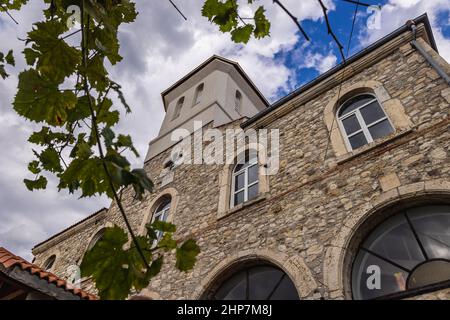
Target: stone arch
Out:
[340,254]
[393,107]
[293,266]
[106,224]
[173,193]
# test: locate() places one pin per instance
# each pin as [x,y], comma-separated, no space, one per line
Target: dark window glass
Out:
[381,129]
[239,181]
[355,103]
[351,124]
[257,283]
[252,174]
[234,288]
[412,250]
[358,140]
[372,113]
[253,191]
[239,198]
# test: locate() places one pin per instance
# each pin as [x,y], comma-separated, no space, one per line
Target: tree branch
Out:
[296,21]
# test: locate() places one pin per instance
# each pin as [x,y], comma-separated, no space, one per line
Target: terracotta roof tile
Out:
[9,260]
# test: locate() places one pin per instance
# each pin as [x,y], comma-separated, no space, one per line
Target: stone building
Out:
[358,209]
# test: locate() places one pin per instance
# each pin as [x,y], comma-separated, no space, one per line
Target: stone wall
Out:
[307,221]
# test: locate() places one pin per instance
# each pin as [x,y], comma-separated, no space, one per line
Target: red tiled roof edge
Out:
[9,260]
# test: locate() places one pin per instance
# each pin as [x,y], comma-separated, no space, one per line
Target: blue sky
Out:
[160,48]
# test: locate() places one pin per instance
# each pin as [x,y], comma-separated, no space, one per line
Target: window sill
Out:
[242,206]
[374,145]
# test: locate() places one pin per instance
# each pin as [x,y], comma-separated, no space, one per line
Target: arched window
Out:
[260,282]
[96,238]
[363,120]
[238,101]
[161,212]
[199,93]
[410,250]
[49,263]
[245,183]
[178,108]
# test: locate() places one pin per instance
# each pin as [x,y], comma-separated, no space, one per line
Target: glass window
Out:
[245,184]
[263,282]
[363,120]
[162,213]
[410,249]
[49,263]
[198,94]
[178,108]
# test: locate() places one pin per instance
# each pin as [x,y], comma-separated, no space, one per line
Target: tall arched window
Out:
[245,183]
[410,250]
[259,282]
[178,108]
[161,212]
[199,93]
[49,263]
[363,120]
[238,101]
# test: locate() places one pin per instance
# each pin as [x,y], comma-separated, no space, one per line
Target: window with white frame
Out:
[162,213]
[245,183]
[362,120]
[178,108]
[199,93]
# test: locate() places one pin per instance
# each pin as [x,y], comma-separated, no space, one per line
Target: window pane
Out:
[372,113]
[285,291]
[252,174]
[429,273]
[234,288]
[239,181]
[355,103]
[392,279]
[395,241]
[432,225]
[358,140]
[381,129]
[253,192]
[262,280]
[238,198]
[351,124]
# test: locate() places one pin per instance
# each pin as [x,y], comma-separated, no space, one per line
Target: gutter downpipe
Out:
[425,54]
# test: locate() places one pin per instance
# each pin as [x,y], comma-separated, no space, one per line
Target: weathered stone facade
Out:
[314,213]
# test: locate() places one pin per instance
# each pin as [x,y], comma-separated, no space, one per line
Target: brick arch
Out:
[293,266]
[340,254]
[393,107]
[173,193]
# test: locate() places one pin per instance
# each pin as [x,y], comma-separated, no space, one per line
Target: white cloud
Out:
[396,12]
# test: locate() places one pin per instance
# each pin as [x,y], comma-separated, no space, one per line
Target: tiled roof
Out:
[9,260]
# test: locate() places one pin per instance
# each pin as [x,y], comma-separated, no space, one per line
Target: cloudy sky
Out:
[159,48]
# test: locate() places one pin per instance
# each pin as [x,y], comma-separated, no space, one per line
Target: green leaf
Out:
[262,25]
[40,183]
[167,243]
[242,34]
[163,226]
[108,135]
[3,72]
[50,160]
[108,264]
[187,255]
[33,167]
[30,56]
[10,58]
[38,99]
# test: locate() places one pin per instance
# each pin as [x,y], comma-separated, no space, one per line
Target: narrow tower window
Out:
[198,94]
[178,107]
[238,101]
